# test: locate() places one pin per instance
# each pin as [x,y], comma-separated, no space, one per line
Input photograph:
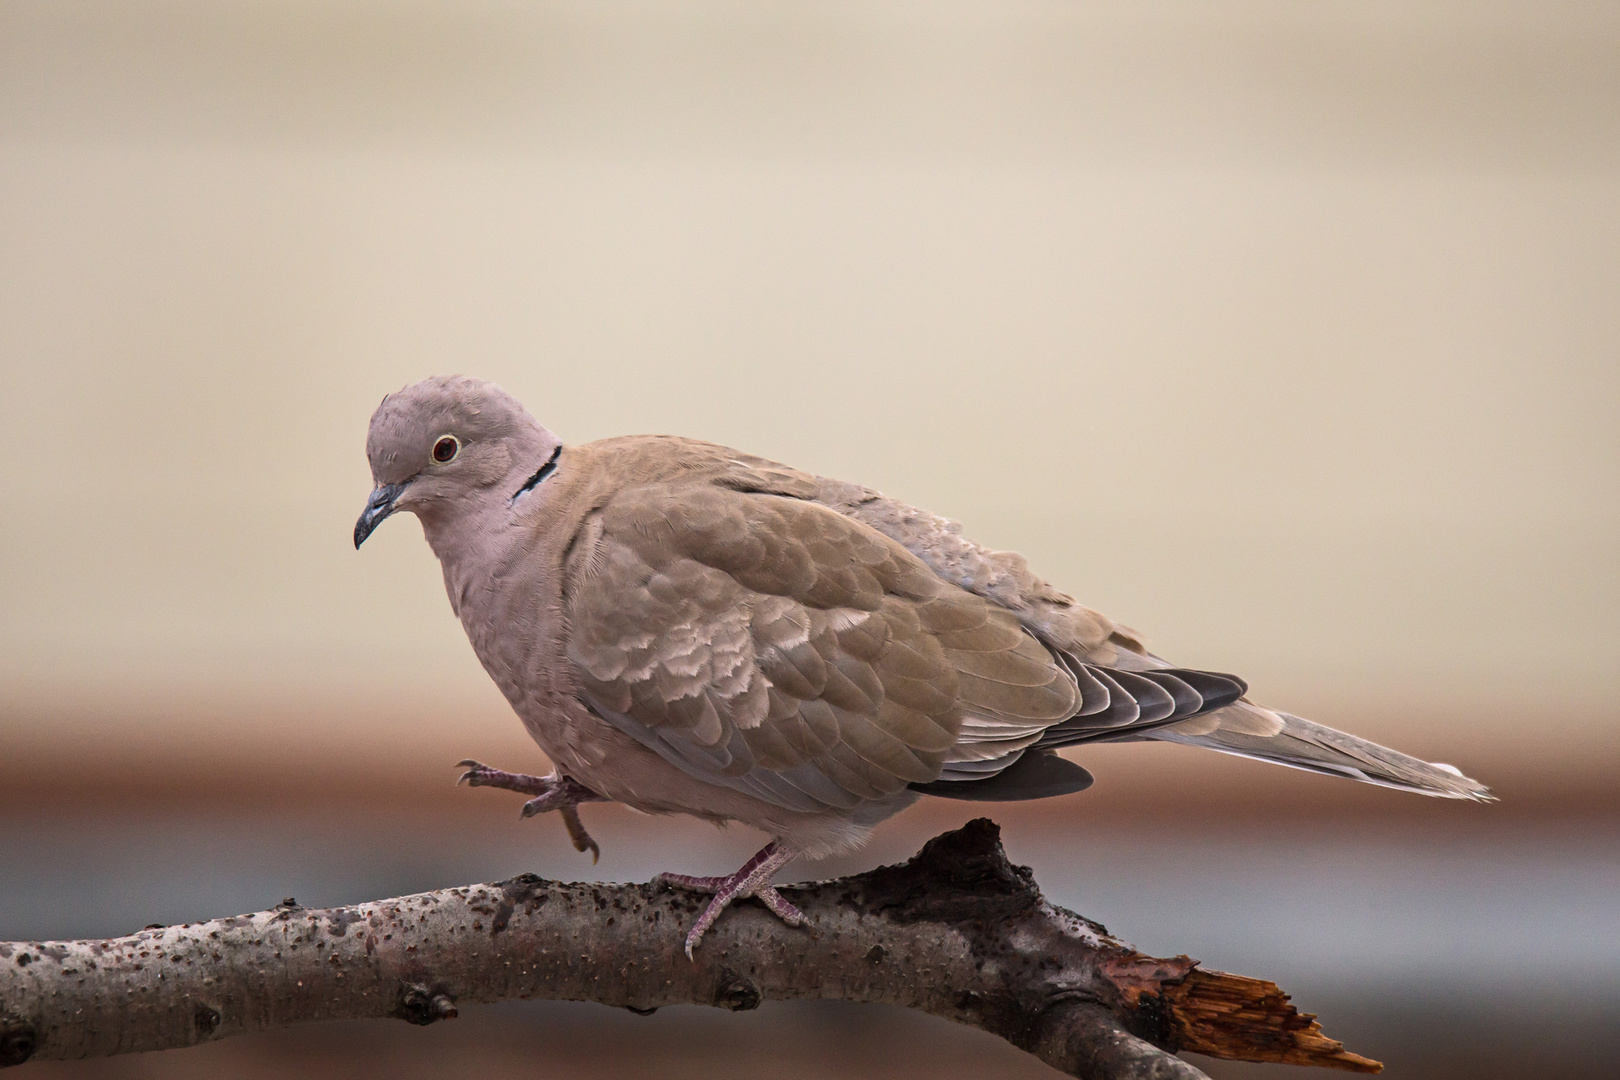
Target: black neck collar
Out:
[540,474]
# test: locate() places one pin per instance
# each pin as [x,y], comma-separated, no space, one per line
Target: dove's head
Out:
[448,444]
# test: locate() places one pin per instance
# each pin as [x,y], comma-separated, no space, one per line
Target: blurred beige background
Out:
[1285,333]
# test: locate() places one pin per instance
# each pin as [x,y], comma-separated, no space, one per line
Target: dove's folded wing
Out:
[778,647]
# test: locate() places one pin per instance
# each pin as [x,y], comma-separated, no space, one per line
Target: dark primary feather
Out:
[1172,695]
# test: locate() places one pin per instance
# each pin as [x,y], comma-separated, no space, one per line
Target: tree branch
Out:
[957,931]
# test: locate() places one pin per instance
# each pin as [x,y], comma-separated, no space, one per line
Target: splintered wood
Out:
[1234,1016]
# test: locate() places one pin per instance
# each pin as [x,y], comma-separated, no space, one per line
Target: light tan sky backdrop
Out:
[1287,333]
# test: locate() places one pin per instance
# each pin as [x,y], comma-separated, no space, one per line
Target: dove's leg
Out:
[754,879]
[554,792]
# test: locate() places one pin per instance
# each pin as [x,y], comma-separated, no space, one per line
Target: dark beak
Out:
[379,506]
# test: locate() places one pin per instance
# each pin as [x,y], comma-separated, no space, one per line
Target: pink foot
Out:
[554,792]
[754,879]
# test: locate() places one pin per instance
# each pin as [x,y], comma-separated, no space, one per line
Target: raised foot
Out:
[554,792]
[753,879]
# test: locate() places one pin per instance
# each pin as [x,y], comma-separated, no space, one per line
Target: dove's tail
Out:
[1301,744]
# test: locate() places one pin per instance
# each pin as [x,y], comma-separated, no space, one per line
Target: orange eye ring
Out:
[445,449]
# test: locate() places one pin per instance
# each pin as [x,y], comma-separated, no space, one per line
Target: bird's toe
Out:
[779,906]
[475,774]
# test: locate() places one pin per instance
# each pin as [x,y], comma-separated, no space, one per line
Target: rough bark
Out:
[957,931]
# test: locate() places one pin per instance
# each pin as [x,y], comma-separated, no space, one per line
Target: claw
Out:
[576,832]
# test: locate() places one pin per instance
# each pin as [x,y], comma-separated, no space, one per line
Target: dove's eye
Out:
[446,449]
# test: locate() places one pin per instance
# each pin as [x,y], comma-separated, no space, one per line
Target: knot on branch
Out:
[17,1040]
[737,992]
[424,1005]
[526,890]
[961,876]
[207,1019]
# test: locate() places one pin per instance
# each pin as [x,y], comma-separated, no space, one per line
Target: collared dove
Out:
[688,629]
